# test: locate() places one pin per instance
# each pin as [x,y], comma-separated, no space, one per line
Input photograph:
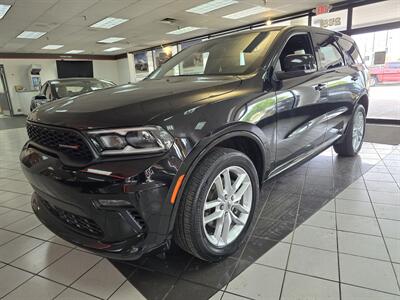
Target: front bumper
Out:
[65,200]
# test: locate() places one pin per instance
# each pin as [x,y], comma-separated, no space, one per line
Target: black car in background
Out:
[69,87]
[182,154]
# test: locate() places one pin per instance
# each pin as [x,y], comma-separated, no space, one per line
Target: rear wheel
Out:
[351,143]
[217,205]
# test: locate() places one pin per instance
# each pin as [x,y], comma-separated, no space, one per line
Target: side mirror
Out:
[40,97]
[297,65]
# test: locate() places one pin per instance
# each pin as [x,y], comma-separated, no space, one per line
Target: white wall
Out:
[17,73]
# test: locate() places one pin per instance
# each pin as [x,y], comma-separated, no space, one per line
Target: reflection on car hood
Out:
[132,104]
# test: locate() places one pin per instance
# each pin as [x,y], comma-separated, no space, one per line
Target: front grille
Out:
[64,141]
[79,223]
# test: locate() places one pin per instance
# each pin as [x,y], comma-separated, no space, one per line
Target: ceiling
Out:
[67,22]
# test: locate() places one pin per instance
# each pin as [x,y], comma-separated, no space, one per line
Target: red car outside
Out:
[389,72]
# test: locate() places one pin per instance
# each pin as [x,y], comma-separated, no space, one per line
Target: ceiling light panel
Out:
[31,35]
[108,23]
[247,12]
[184,30]
[112,49]
[52,47]
[111,40]
[4,9]
[211,6]
[74,51]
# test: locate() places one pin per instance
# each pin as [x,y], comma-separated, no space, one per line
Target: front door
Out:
[300,125]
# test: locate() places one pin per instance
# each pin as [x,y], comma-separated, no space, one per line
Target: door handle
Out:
[320,86]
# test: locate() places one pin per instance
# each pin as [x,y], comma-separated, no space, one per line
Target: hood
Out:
[132,104]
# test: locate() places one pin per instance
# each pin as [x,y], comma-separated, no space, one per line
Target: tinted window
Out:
[328,51]
[351,51]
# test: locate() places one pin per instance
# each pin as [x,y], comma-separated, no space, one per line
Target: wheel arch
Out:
[246,138]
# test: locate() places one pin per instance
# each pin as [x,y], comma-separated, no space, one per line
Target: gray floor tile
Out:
[128,291]
[316,237]
[355,293]
[229,296]
[6,236]
[40,257]
[358,185]
[387,211]
[6,196]
[11,217]
[41,232]
[18,247]
[4,210]
[354,194]
[361,208]
[397,270]
[385,198]
[36,288]
[390,228]
[298,286]
[313,262]
[276,257]
[10,278]
[24,225]
[358,224]
[18,201]
[71,294]
[70,267]
[102,280]
[324,219]
[252,282]
[393,246]
[369,273]
[362,245]
[378,177]
[380,186]
[330,206]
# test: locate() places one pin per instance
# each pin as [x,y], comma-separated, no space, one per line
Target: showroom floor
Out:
[329,229]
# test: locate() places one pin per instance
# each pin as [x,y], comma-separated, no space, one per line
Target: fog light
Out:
[113,202]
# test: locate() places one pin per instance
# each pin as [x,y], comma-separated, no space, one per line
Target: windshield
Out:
[69,88]
[230,55]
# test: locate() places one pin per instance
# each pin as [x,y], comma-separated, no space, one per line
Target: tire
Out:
[346,147]
[193,231]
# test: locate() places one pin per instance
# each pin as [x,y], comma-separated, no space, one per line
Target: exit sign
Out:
[322,9]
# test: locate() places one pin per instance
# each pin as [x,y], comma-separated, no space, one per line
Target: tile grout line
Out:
[293,231]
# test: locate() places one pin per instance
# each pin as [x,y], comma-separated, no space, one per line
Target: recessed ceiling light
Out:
[111,40]
[31,35]
[108,23]
[247,12]
[4,9]
[112,49]
[210,6]
[74,51]
[184,30]
[52,47]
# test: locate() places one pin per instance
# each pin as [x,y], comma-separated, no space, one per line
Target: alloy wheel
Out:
[227,206]
[358,130]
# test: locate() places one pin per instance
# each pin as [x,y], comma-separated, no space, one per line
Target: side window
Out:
[328,51]
[43,89]
[351,51]
[297,44]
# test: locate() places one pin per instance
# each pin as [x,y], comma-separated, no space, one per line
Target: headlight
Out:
[149,139]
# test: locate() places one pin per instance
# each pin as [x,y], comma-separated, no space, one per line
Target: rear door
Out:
[339,83]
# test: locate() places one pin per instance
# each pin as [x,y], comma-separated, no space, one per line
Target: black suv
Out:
[182,154]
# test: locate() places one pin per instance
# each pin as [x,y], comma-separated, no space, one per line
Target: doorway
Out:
[5,102]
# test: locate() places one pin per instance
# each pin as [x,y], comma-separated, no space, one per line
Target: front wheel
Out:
[217,205]
[352,141]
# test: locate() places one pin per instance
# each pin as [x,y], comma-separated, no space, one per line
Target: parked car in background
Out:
[389,72]
[60,88]
[182,154]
